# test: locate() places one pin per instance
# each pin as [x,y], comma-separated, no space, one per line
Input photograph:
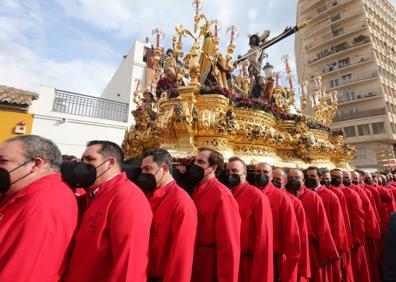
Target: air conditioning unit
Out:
[20,129]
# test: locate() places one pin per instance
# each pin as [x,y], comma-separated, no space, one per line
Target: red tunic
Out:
[321,243]
[304,264]
[357,219]
[373,234]
[36,227]
[338,230]
[286,234]
[256,234]
[113,238]
[217,247]
[172,234]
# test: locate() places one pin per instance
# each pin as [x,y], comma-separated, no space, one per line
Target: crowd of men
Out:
[294,225]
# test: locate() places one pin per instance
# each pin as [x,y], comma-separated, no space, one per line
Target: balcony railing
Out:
[339,48]
[349,97]
[323,39]
[334,66]
[89,106]
[362,114]
[324,8]
[355,78]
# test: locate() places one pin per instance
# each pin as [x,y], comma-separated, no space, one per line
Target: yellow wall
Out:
[9,120]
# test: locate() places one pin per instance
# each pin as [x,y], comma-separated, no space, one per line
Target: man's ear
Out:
[112,162]
[38,164]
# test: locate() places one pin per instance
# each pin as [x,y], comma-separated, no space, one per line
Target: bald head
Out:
[279,177]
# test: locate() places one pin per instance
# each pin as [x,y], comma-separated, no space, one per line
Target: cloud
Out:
[23,60]
[77,44]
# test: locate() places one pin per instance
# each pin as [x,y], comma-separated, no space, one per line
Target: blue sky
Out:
[77,45]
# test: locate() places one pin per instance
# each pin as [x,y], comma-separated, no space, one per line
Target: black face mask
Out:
[261,180]
[276,183]
[325,183]
[147,181]
[293,186]
[355,182]
[233,180]
[347,183]
[311,183]
[336,182]
[78,175]
[368,181]
[5,180]
[196,173]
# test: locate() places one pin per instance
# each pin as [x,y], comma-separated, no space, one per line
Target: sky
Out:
[77,45]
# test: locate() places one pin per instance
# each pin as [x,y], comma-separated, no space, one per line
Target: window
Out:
[361,154]
[334,83]
[349,95]
[343,63]
[363,129]
[336,17]
[347,77]
[378,127]
[338,32]
[350,131]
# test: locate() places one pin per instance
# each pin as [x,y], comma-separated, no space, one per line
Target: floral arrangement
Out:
[259,104]
[166,85]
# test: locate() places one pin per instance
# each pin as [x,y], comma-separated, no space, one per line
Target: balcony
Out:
[339,33]
[328,22]
[89,106]
[357,41]
[325,9]
[308,5]
[349,98]
[355,79]
[334,67]
[362,114]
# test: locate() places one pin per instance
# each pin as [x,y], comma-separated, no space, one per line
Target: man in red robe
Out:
[286,231]
[304,265]
[339,270]
[38,212]
[321,244]
[174,223]
[357,220]
[113,238]
[217,246]
[373,231]
[256,225]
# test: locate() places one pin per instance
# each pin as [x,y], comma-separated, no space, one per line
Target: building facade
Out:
[72,119]
[351,44]
[14,116]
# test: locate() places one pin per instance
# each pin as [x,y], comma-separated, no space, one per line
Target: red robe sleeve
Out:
[184,229]
[125,236]
[39,247]
[327,248]
[304,264]
[263,264]
[228,232]
[292,243]
[357,220]
[337,224]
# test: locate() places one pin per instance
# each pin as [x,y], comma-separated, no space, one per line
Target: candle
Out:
[276,79]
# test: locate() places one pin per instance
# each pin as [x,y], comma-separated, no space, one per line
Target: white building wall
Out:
[71,132]
[124,81]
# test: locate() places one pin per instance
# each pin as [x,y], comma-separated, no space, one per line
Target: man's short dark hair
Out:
[237,159]
[335,170]
[37,146]
[313,168]
[215,158]
[160,156]
[109,149]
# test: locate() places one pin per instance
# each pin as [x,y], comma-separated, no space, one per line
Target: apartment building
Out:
[351,44]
